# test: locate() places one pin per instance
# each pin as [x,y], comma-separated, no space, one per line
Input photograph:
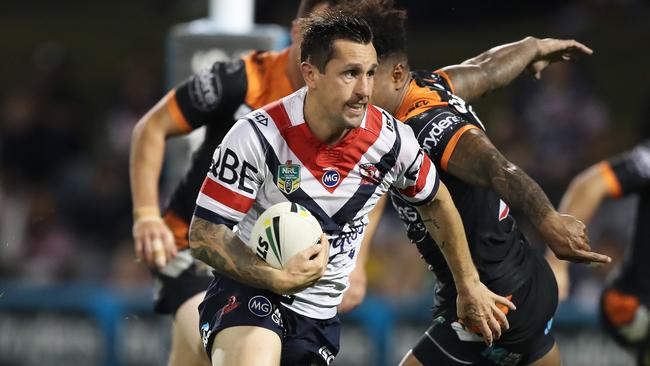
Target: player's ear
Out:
[399,75]
[309,73]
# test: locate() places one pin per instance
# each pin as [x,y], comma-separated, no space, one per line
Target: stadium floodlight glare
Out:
[232,16]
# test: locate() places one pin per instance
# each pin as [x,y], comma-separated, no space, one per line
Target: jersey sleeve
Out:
[443,79]
[438,131]
[209,96]
[628,172]
[417,180]
[234,178]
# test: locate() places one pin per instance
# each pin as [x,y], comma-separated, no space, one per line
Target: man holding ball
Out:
[325,148]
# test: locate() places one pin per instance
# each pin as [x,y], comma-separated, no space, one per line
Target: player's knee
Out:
[626,316]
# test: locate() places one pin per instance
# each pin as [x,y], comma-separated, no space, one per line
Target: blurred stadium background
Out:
[76,76]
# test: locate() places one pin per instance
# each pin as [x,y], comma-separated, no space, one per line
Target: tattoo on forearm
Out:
[476,161]
[230,258]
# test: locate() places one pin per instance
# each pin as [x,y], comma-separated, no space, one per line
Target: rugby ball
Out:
[283,230]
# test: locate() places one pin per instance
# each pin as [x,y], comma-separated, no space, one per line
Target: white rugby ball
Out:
[283,230]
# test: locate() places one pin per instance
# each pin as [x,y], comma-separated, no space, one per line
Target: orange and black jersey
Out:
[215,98]
[499,250]
[629,173]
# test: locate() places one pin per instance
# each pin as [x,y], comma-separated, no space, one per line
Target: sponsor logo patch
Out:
[331,178]
[230,306]
[260,306]
[288,177]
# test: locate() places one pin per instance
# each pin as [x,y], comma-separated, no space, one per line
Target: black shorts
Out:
[182,278]
[447,342]
[305,341]
[624,317]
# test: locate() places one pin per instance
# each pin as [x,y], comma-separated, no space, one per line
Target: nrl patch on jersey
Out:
[288,177]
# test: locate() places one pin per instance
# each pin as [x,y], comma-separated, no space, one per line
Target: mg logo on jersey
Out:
[260,306]
[288,177]
[331,178]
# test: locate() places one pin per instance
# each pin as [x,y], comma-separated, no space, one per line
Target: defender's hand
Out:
[550,50]
[567,238]
[153,242]
[305,268]
[478,309]
[357,290]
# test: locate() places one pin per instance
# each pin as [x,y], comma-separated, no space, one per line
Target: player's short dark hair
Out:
[386,22]
[307,6]
[319,32]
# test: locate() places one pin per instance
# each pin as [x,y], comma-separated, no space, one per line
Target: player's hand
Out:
[153,242]
[478,309]
[550,50]
[305,268]
[567,238]
[357,291]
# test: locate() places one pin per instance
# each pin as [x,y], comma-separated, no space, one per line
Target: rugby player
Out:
[483,184]
[341,155]
[213,98]
[625,300]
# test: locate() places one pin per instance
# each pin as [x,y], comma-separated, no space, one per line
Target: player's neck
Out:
[319,122]
[401,94]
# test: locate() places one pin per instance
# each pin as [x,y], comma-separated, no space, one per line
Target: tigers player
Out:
[624,302]
[340,155]
[483,184]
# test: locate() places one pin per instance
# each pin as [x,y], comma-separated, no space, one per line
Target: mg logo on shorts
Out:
[331,178]
[260,306]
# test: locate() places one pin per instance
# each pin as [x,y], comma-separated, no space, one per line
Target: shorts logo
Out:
[230,306]
[501,356]
[326,354]
[260,306]
[205,333]
[288,177]
[277,317]
[331,178]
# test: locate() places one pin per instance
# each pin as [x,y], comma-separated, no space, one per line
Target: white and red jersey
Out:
[271,156]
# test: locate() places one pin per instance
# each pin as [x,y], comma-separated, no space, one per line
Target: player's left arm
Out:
[498,66]
[475,160]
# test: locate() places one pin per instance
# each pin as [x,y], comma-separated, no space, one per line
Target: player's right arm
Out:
[210,96]
[229,191]
[476,161]
[146,158]
[421,187]
[498,66]
[612,178]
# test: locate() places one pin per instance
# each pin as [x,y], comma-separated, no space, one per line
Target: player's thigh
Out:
[246,345]
[552,358]
[187,348]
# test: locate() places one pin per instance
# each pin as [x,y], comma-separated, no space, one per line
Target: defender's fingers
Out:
[159,254]
[504,301]
[494,325]
[485,331]
[501,317]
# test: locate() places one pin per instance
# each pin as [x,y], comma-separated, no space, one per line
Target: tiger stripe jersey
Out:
[271,156]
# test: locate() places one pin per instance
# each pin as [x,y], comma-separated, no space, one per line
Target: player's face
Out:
[345,86]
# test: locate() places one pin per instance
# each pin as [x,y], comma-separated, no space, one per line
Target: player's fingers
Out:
[170,245]
[159,253]
[501,317]
[148,253]
[494,325]
[485,331]
[582,48]
[594,257]
[504,301]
